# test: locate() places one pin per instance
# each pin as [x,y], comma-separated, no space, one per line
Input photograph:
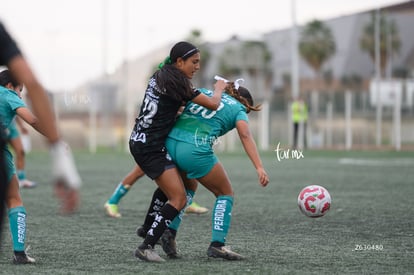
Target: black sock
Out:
[158,201]
[216,244]
[161,221]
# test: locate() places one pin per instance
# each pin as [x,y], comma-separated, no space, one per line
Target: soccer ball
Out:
[314,201]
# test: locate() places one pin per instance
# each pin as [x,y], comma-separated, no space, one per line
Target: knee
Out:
[20,153]
[179,202]
[182,202]
[224,192]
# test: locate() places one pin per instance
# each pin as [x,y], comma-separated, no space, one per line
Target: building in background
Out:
[266,66]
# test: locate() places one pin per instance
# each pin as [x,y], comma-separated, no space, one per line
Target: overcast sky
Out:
[66,44]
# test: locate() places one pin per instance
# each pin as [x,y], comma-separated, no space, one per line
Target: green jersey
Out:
[202,126]
[9,103]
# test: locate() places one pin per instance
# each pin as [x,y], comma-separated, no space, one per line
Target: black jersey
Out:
[157,117]
[8,48]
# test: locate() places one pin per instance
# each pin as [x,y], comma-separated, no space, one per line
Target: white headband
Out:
[237,83]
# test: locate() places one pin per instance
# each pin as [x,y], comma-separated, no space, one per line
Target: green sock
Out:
[177,221]
[119,192]
[221,218]
[21,175]
[17,220]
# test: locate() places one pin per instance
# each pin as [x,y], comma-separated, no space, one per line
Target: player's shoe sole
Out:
[147,253]
[23,259]
[224,253]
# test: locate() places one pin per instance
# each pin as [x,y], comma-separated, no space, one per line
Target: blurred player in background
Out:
[14,138]
[111,205]
[3,177]
[299,118]
[11,105]
[21,147]
[66,178]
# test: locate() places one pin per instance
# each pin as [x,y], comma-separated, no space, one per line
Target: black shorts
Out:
[154,163]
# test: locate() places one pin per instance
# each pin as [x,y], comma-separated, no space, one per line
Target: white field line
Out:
[377,162]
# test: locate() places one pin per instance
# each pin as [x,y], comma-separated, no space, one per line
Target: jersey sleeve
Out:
[196,92]
[242,115]
[8,47]
[15,102]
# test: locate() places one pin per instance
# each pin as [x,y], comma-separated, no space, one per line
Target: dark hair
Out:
[184,50]
[6,78]
[243,96]
[173,82]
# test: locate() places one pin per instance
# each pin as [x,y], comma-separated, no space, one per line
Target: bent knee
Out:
[20,153]
[224,192]
[178,203]
[183,202]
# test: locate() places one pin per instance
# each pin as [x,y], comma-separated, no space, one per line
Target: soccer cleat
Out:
[169,244]
[223,252]
[195,208]
[147,253]
[112,210]
[22,258]
[141,232]
[27,183]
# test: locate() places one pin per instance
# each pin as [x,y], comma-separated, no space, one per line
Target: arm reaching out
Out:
[22,127]
[213,102]
[250,147]
[41,106]
[64,171]
[66,178]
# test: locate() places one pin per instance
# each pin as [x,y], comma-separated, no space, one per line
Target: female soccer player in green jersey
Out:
[11,105]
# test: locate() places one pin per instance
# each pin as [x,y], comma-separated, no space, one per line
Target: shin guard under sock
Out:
[158,201]
[161,222]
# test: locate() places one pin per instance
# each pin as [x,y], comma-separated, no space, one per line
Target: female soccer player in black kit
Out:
[168,89]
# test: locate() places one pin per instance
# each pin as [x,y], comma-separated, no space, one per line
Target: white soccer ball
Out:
[314,201]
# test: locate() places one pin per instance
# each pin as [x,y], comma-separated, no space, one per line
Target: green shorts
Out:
[10,168]
[196,160]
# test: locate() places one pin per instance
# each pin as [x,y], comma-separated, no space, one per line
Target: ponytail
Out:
[243,96]
[167,61]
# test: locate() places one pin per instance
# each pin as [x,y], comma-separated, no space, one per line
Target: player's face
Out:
[18,89]
[189,66]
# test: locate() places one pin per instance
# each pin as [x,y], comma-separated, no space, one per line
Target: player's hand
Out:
[263,177]
[64,169]
[220,86]
[24,130]
[180,111]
